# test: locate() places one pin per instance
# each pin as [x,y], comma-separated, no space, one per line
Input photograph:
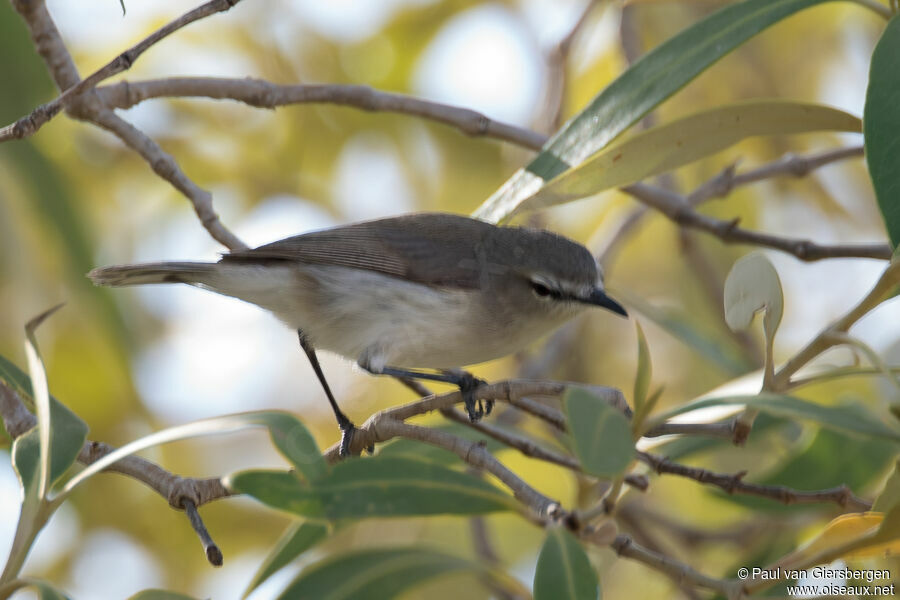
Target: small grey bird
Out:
[428,290]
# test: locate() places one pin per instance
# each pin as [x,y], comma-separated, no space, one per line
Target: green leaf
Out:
[296,443]
[42,455]
[380,574]
[680,142]
[850,418]
[380,486]
[644,373]
[299,538]
[563,571]
[600,434]
[68,433]
[16,379]
[159,595]
[890,495]
[656,76]
[41,400]
[881,123]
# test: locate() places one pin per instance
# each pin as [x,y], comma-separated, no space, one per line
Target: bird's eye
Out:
[540,289]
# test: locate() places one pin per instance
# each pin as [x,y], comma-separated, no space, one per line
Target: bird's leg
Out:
[465,381]
[346,425]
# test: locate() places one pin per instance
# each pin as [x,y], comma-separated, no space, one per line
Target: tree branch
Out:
[681,573]
[676,208]
[791,165]
[83,103]
[36,16]
[164,165]
[734,484]
[264,94]
[181,493]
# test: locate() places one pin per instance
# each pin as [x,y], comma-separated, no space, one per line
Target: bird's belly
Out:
[430,328]
[366,315]
[398,322]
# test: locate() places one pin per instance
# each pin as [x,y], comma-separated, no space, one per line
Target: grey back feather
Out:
[424,248]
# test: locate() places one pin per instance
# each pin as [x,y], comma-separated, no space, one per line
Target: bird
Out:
[414,296]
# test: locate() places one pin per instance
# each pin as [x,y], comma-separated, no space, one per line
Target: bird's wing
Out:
[424,248]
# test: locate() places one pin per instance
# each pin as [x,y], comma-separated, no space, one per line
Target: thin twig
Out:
[264,94]
[676,208]
[726,181]
[678,571]
[165,166]
[719,429]
[49,45]
[792,165]
[735,484]
[514,440]
[213,554]
[555,84]
[30,123]
[178,491]
[87,106]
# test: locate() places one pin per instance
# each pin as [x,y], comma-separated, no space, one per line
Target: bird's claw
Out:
[348,430]
[476,409]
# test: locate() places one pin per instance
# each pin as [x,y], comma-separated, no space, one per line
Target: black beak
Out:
[599,298]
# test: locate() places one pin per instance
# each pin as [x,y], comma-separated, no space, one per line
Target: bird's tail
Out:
[161,272]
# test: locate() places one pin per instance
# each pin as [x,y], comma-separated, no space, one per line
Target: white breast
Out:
[394,322]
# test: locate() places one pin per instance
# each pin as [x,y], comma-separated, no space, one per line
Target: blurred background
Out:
[132,361]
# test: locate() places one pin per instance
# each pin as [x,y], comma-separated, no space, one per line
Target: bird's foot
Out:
[348,431]
[476,409]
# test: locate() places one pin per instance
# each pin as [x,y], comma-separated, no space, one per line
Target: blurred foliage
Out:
[72,198]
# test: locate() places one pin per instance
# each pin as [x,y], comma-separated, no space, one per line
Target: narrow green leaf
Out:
[881,122]
[68,434]
[683,141]
[16,379]
[890,495]
[847,418]
[69,431]
[41,400]
[600,434]
[380,574]
[160,595]
[380,486]
[563,571]
[644,371]
[299,538]
[656,76]
[296,443]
